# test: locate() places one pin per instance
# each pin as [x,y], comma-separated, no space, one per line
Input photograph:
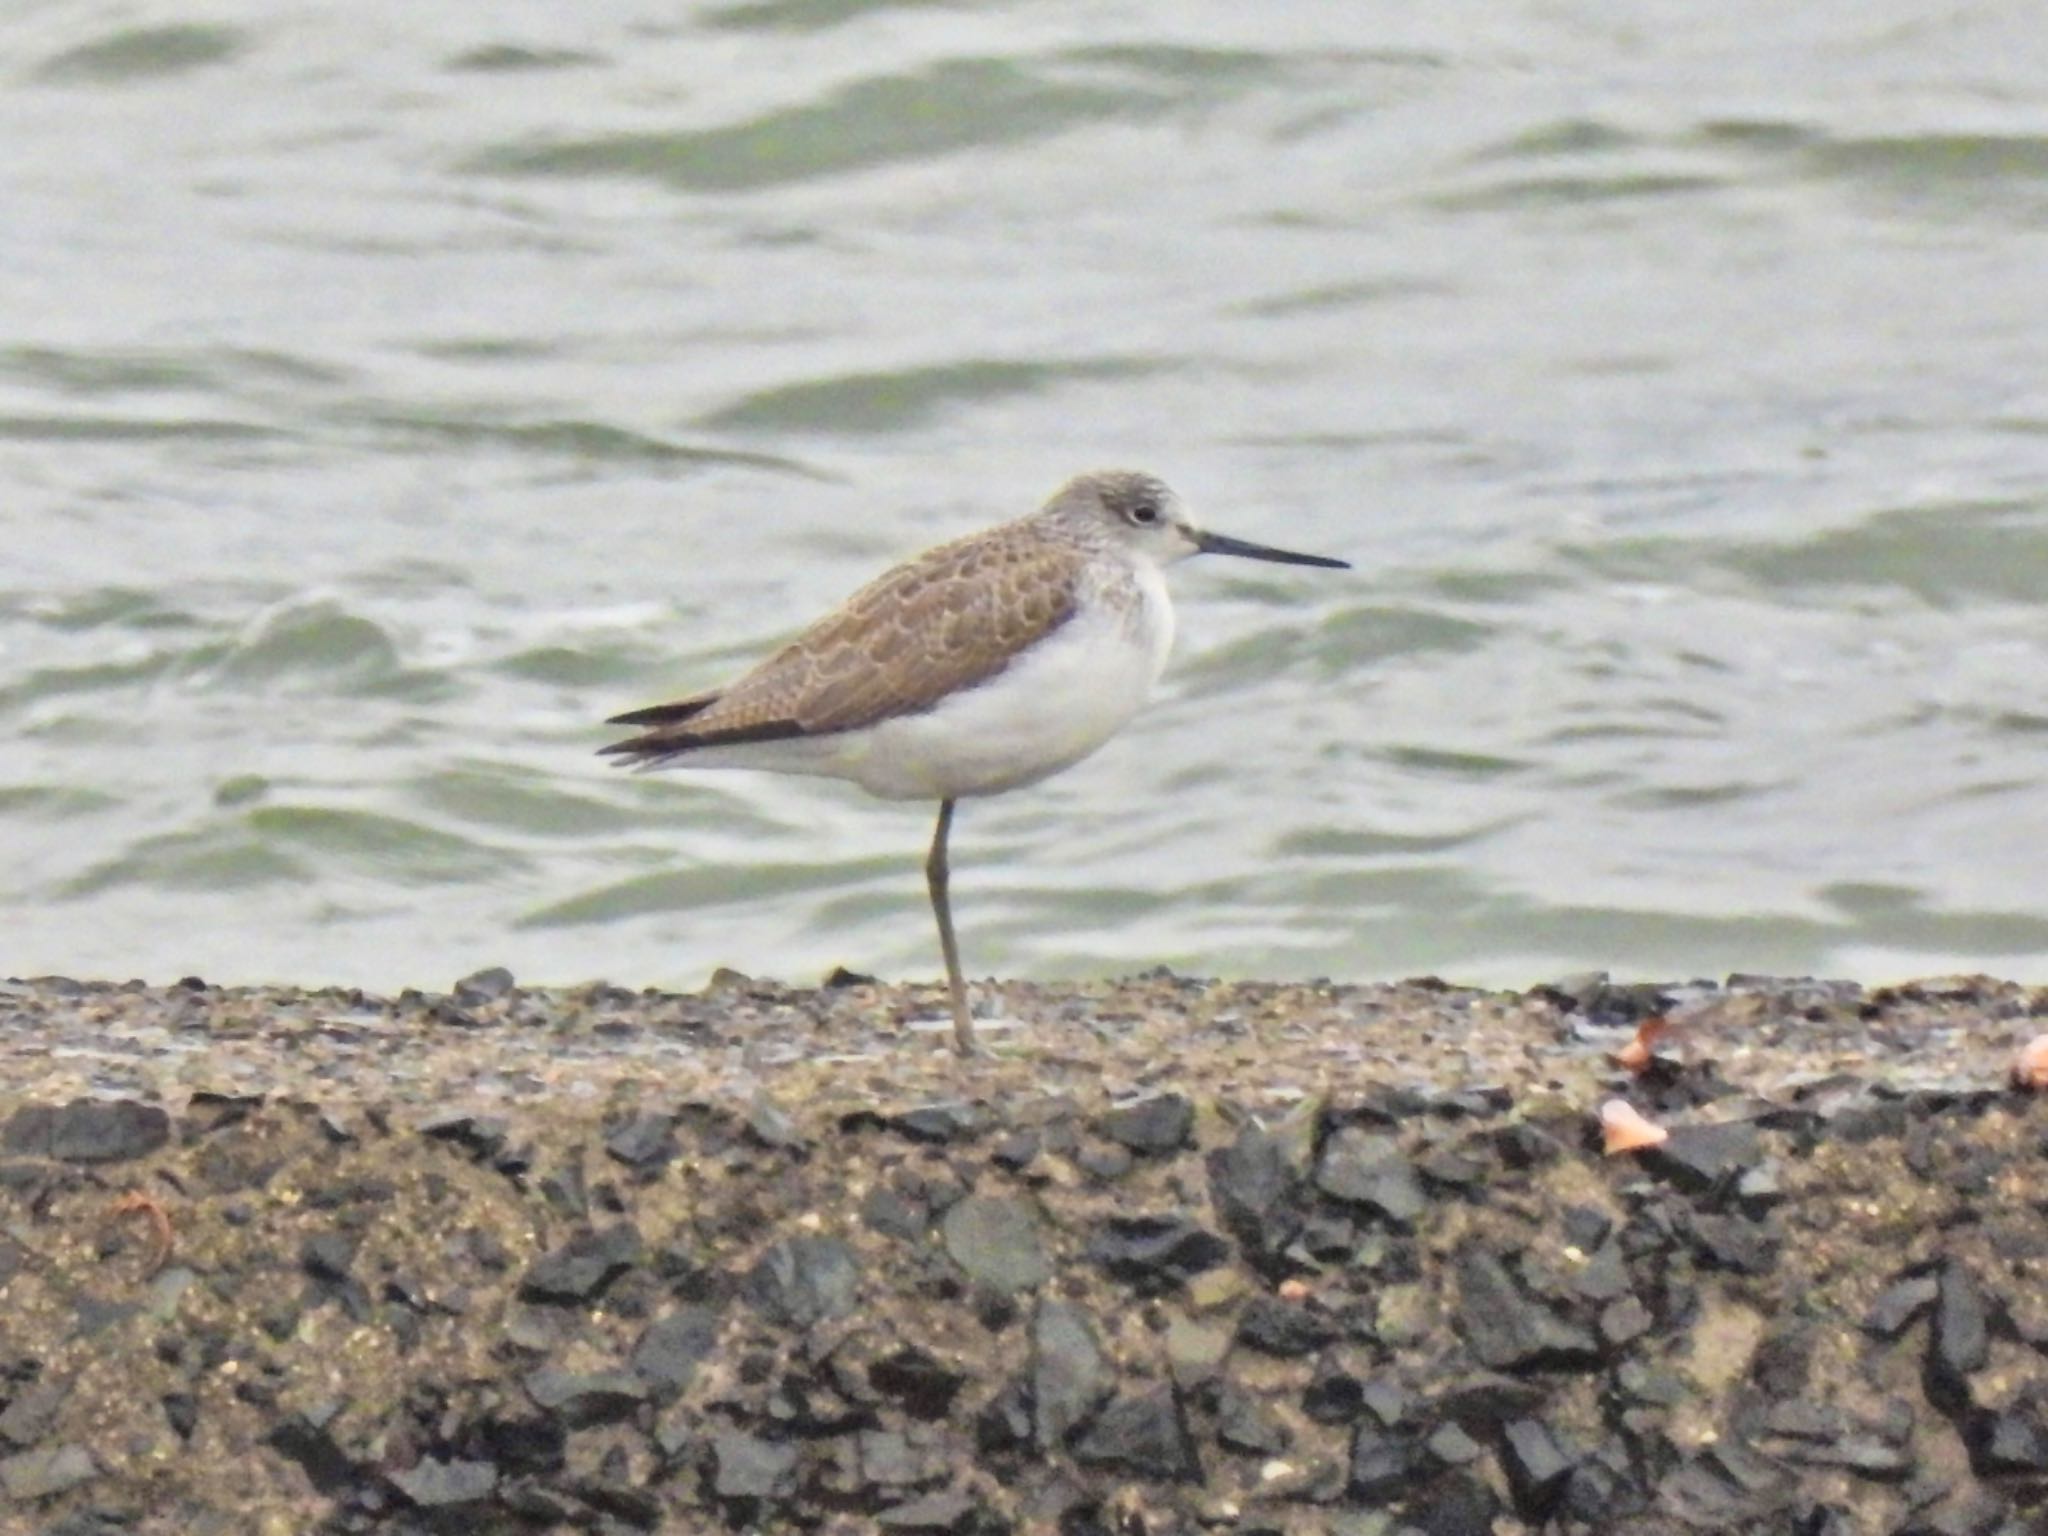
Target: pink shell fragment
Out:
[2030,1067]
[1625,1129]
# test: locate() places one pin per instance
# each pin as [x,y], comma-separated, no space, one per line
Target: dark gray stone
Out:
[1105,1164]
[1460,1168]
[45,1473]
[34,1409]
[1070,1375]
[87,1130]
[1595,1492]
[1976,1513]
[1605,1276]
[1586,1227]
[888,1459]
[1623,1322]
[1155,1253]
[936,1514]
[328,1255]
[1284,1328]
[87,1522]
[1762,1188]
[1458,1505]
[536,1505]
[1652,1385]
[1362,1168]
[1900,1305]
[897,1215]
[301,1440]
[1526,1146]
[1451,1446]
[746,1467]
[916,1382]
[436,1484]
[1863,1454]
[1536,1465]
[1387,1400]
[1509,1331]
[1152,1127]
[801,1281]
[1734,1243]
[1697,1158]
[938,1124]
[181,1412]
[1244,1425]
[2013,1442]
[995,1241]
[1004,1427]
[1959,1342]
[1335,1394]
[1145,1435]
[640,1508]
[582,1268]
[566,1189]
[645,1141]
[1254,1190]
[581,1399]
[1724,1489]
[479,1135]
[671,1348]
[522,1442]
[771,1126]
[1855,1121]
[1328,1237]
[484,986]
[1803,1419]
[1383,1465]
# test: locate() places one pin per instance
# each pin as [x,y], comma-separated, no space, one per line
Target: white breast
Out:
[1046,711]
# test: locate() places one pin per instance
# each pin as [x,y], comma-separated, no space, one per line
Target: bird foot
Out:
[992,1034]
[968,1038]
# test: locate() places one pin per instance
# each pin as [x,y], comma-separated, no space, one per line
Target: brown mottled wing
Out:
[950,619]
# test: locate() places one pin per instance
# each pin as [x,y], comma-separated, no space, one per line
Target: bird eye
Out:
[1144,512]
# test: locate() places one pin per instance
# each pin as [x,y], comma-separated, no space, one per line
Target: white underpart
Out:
[1048,709]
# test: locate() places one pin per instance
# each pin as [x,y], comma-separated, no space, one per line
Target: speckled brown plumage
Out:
[948,620]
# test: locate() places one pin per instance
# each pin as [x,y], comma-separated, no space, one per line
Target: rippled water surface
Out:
[388,393]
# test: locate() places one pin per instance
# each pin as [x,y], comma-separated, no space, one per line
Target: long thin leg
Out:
[935,874]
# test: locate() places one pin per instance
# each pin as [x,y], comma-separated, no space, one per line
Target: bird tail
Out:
[669,734]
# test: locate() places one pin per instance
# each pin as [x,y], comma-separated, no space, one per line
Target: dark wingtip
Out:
[665,714]
[657,745]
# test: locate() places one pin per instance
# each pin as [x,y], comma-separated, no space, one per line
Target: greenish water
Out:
[388,395]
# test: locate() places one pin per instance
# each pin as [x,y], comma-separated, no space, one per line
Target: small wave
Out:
[903,398]
[143,53]
[720,885]
[956,105]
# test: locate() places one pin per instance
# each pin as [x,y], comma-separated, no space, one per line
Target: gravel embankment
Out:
[1177,1257]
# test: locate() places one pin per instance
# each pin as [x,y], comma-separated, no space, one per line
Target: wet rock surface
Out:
[1175,1257]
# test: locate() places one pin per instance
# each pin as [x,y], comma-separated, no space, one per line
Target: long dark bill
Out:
[1220,544]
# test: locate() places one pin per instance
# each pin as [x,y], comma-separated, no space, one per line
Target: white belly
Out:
[1046,711]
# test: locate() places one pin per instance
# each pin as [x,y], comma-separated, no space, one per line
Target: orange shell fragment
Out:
[1635,1056]
[1626,1130]
[2030,1067]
